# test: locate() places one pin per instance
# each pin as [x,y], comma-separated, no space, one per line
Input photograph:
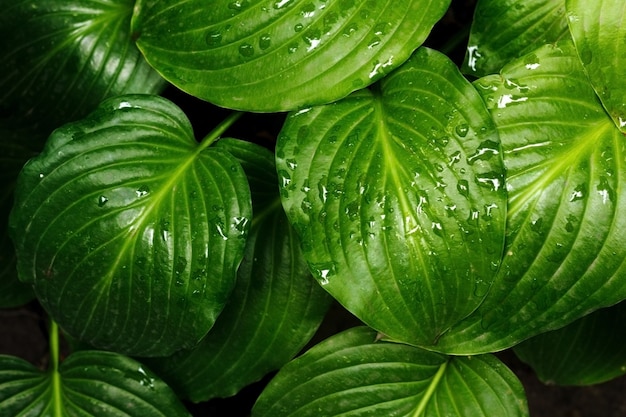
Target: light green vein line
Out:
[421,407]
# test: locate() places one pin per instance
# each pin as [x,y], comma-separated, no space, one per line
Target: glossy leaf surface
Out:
[277,55]
[398,197]
[129,231]
[503,30]
[274,310]
[588,351]
[61,58]
[352,374]
[565,253]
[88,383]
[600,37]
[13,155]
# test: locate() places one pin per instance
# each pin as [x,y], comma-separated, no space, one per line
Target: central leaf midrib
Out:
[430,391]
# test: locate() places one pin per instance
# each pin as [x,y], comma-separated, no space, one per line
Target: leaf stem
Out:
[221,128]
[54,369]
[431,389]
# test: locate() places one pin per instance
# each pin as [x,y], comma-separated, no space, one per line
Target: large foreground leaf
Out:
[276,55]
[61,58]
[503,30]
[352,374]
[398,196]
[588,351]
[600,37]
[565,253]
[88,383]
[129,231]
[274,310]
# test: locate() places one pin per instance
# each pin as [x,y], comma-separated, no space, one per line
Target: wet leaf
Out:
[353,374]
[278,55]
[564,254]
[504,30]
[599,34]
[274,310]
[398,196]
[128,230]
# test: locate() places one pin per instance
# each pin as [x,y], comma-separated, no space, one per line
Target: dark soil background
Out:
[24,332]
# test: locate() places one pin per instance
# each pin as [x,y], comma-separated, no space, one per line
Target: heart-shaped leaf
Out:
[129,231]
[600,34]
[352,374]
[588,351]
[277,55]
[565,248]
[398,197]
[87,383]
[61,58]
[274,310]
[503,30]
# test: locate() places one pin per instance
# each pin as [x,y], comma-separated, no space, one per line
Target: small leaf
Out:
[588,351]
[565,250]
[61,58]
[274,310]
[504,30]
[88,383]
[128,230]
[352,374]
[398,197]
[599,34]
[278,55]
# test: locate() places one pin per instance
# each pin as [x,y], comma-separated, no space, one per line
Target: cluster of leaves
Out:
[453,218]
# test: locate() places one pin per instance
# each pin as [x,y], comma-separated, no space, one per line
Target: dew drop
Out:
[486,150]
[298,27]
[281,3]
[462,130]
[579,193]
[102,200]
[374,42]
[292,48]
[214,38]
[246,50]
[350,29]
[324,271]
[142,191]
[463,187]
[265,41]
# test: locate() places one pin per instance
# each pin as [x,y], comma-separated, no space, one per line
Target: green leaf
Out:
[88,383]
[129,231]
[277,55]
[274,310]
[61,58]
[599,34]
[353,374]
[503,30]
[13,154]
[398,197]
[565,248]
[588,351]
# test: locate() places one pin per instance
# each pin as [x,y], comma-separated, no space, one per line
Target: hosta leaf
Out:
[600,36]
[588,351]
[352,374]
[276,55]
[88,383]
[62,57]
[565,245]
[129,231]
[503,30]
[399,199]
[274,310]
[13,154]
